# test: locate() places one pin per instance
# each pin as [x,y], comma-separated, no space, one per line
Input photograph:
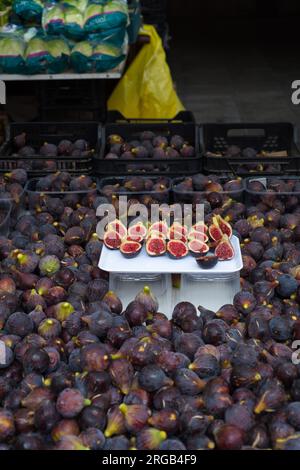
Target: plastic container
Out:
[37,200]
[40,132]
[5,217]
[198,197]
[209,292]
[255,196]
[146,197]
[130,129]
[278,139]
[129,285]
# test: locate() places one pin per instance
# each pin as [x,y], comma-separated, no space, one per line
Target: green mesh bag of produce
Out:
[28,9]
[53,19]
[81,57]
[37,56]
[106,57]
[59,55]
[12,50]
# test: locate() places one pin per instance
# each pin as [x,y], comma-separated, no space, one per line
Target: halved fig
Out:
[193,235]
[197,247]
[176,235]
[112,240]
[214,230]
[160,226]
[207,262]
[137,230]
[130,249]
[156,246]
[155,234]
[224,226]
[200,227]
[118,227]
[178,227]
[177,249]
[224,250]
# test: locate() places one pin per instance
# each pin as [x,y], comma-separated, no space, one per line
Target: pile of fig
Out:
[148,145]
[253,165]
[137,189]
[219,195]
[44,155]
[82,371]
[176,240]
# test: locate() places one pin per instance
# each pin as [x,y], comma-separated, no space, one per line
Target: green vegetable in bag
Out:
[28,9]
[73,23]
[37,56]
[81,57]
[93,18]
[106,57]
[53,19]
[12,55]
[115,15]
[59,53]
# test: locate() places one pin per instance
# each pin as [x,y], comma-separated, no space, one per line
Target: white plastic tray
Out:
[115,262]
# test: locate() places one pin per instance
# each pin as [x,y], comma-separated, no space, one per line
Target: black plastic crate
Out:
[50,132]
[130,129]
[271,137]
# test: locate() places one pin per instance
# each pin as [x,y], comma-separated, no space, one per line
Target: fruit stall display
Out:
[250,148]
[83,371]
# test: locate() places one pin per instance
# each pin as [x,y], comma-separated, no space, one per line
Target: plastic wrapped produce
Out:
[81,57]
[12,49]
[106,57]
[28,9]
[53,20]
[74,23]
[59,55]
[37,56]
[99,18]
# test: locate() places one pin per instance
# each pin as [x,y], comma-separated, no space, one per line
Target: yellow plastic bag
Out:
[146,90]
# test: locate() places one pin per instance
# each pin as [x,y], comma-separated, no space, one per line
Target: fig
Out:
[224,226]
[136,417]
[156,246]
[207,262]
[197,247]
[137,231]
[122,374]
[224,250]
[146,298]
[161,227]
[117,226]
[112,240]
[150,438]
[113,302]
[115,422]
[215,231]
[70,402]
[177,249]
[130,249]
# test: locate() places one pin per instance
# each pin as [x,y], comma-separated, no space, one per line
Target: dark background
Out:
[235,60]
